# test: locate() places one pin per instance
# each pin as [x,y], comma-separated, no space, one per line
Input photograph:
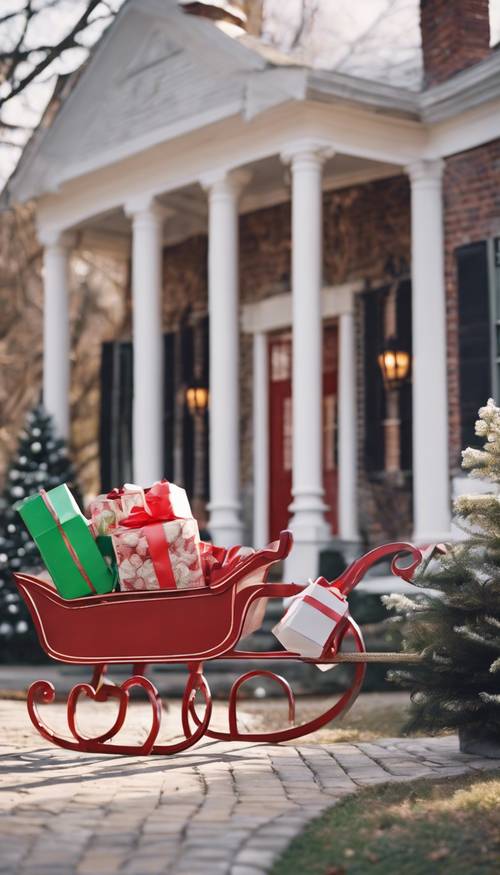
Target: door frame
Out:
[259,319]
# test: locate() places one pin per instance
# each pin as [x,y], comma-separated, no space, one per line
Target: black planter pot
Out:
[480,741]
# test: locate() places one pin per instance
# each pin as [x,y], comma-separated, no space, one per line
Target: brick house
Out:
[285,225]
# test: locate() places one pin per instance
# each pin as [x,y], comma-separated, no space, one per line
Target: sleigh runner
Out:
[190,627]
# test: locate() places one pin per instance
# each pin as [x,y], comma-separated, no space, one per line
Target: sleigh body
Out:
[190,627]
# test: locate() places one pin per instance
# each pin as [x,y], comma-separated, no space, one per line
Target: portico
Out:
[287,136]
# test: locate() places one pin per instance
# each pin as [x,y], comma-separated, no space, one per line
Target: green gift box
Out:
[65,541]
[105,545]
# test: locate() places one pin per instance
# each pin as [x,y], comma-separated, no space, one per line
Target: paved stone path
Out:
[217,808]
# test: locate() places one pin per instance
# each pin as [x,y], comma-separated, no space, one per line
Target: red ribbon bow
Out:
[159,508]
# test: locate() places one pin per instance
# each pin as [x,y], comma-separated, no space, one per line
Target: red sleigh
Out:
[189,627]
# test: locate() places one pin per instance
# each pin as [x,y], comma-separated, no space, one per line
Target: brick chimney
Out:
[455,35]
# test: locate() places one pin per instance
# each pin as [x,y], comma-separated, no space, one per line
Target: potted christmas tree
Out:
[454,622]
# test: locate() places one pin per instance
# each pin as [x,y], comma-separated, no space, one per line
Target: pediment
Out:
[157,49]
[154,70]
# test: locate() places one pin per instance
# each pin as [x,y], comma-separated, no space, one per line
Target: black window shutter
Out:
[124,474]
[374,387]
[106,415]
[169,404]
[187,376]
[473,334]
[403,316]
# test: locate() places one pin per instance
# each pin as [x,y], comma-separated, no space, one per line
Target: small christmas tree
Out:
[455,621]
[41,462]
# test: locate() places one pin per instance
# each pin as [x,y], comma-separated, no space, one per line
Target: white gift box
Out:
[311,619]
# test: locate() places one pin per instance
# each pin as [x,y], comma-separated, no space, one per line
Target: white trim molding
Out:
[275,313]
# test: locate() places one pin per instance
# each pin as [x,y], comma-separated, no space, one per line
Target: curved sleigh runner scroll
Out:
[43,692]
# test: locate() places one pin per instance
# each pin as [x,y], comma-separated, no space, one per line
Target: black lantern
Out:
[394,363]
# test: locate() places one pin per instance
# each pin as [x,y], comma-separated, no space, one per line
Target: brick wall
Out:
[471,213]
[184,279]
[455,35]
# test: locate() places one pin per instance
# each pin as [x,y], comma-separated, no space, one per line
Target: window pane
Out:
[281,360]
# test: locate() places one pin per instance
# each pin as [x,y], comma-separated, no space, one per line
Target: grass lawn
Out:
[450,827]
[373,715]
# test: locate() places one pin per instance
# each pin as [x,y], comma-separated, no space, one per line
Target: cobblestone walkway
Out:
[218,808]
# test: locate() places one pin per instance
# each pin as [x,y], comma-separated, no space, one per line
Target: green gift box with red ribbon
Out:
[63,536]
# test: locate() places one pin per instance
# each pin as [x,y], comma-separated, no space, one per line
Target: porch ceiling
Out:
[187,211]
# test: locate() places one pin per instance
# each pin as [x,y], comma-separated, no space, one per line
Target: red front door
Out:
[281,432]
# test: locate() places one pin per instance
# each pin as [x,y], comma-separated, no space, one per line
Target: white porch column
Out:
[223,306]
[431,482]
[56,333]
[260,440]
[147,432]
[347,430]
[308,522]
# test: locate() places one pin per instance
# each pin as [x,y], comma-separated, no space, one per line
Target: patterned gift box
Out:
[108,511]
[159,555]
[311,619]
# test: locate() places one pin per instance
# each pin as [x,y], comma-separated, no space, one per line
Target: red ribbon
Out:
[67,543]
[324,609]
[211,557]
[115,493]
[158,550]
[159,508]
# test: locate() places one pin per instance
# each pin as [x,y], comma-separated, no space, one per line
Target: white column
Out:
[308,523]
[260,440]
[147,435]
[56,331]
[431,486]
[223,306]
[347,430]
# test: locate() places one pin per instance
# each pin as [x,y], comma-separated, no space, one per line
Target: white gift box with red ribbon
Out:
[311,618]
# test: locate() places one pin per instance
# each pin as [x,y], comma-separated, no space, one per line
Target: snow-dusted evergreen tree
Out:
[455,619]
[41,461]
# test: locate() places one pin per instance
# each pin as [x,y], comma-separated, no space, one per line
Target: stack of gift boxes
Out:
[135,539]
[132,540]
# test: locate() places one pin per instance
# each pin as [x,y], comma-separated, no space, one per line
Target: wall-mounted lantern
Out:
[197,397]
[394,362]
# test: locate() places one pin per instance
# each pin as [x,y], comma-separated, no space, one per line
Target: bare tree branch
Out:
[68,41]
[308,13]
